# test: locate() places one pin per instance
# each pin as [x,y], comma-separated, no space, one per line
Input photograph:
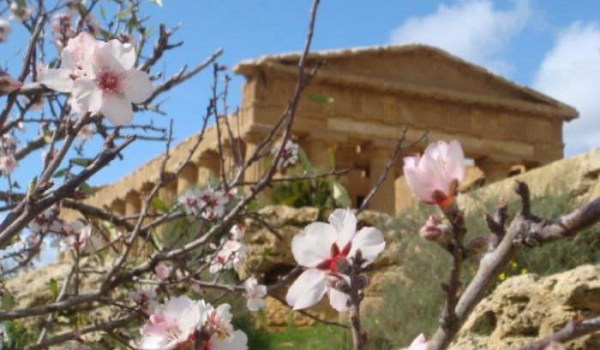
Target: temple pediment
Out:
[417,70]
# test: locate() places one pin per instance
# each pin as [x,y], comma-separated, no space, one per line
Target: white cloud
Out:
[570,72]
[471,29]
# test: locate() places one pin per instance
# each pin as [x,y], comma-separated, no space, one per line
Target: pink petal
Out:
[371,243]
[418,182]
[455,162]
[117,109]
[308,289]
[344,222]
[313,245]
[137,86]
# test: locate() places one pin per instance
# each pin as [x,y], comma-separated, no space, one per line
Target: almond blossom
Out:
[208,203]
[8,164]
[255,294]
[322,248]
[163,272]
[420,343]
[237,340]
[289,155]
[434,177]
[174,325]
[145,297]
[101,77]
[230,256]
[238,231]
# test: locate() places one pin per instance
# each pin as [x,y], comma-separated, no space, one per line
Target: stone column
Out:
[384,199]
[187,177]
[318,153]
[117,207]
[133,203]
[208,167]
[255,170]
[493,169]
[168,193]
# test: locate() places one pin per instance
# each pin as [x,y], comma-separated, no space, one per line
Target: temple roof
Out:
[415,69]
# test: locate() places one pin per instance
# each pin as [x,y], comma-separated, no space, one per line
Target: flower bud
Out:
[431,230]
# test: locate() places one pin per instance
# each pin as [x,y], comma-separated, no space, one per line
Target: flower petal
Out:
[416,180]
[124,53]
[88,98]
[344,222]
[137,86]
[308,289]
[338,300]
[420,343]
[56,79]
[455,163]
[117,109]
[371,243]
[313,245]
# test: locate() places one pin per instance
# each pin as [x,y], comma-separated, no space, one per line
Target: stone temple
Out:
[372,94]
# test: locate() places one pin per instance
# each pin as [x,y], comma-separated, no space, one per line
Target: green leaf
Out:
[81,161]
[340,195]
[8,301]
[123,14]
[157,241]
[86,189]
[53,287]
[320,98]
[60,173]
[308,167]
[159,205]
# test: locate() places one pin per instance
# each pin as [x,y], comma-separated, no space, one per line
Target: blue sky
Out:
[550,45]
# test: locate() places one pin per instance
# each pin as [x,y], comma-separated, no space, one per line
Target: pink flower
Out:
[8,164]
[320,248]
[431,230]
[162,271]
[238,231]
[208,203]
[434,177]
[255,294]
[230,256]
[8,84]
[420,343]
[174,325]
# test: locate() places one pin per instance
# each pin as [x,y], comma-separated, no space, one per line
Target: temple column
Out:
[117,207]
[256,169]
[208,168]
[168,193]
[133,203]
[384,199]
[318,153]
[493,169]
[187,177]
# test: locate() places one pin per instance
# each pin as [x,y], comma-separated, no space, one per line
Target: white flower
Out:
[78,235]
[289,155]
[238,231]
[4,337]
[238,340]
[255,294]
[210,204]
[4,29]
[174,325]
[8,164]
[47,221]
[231,255]
[101,77]
[218,321]
[19,13]
[320,248]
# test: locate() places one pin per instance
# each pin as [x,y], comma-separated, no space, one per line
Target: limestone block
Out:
[525,308]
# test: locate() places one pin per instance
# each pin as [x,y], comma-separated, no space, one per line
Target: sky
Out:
[550,45]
